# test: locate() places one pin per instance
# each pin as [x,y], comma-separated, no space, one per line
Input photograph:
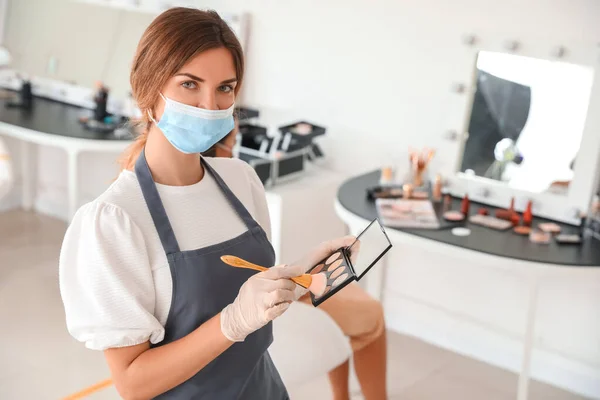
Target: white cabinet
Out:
[302,213]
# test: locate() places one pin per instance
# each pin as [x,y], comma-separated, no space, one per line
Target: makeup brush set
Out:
[339,268]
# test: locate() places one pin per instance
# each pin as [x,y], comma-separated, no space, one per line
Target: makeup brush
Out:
[315,283]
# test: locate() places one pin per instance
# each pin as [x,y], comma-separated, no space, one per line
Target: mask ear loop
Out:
[151,117]
[148,111]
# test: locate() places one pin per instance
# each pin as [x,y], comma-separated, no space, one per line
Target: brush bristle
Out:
[318,284]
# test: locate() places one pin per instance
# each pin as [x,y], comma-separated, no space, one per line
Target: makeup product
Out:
[528,215]
[447,202]
[515,219]
[522,230]
[460,231]
[408,190]
[571,238]
[490,222]
[420,195]
[505,214]
[418,163]
[539,236]
[101,100]
[387,176]
[351,263]
[454,216]
[465,205]
[483,211]
[302,128]
[384,192]
[24,99]
[401,213]
[564,238]
[437,189]
[549,227]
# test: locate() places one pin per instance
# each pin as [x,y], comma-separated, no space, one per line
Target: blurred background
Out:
[350,110]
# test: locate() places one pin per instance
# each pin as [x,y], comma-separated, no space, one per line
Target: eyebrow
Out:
[194,77]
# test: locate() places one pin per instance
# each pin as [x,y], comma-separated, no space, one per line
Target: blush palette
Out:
[351,263]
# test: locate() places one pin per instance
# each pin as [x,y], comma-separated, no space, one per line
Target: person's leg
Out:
[370,364]
[338,378]
[361,318]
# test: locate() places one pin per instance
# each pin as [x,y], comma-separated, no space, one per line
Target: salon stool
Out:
[307,344]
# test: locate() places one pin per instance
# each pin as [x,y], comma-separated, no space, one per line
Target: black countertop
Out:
[52,117]
[353,196]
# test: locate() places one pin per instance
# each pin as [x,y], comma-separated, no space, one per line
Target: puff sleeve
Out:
[106,280]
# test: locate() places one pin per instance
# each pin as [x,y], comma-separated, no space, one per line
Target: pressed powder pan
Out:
[454,216]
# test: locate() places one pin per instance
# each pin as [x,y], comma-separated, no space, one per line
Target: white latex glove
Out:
[261,299]
[319,253]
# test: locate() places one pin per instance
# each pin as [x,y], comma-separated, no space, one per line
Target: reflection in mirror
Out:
[368,247]
[526,121]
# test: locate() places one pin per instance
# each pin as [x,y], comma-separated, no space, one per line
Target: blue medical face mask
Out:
[191,129]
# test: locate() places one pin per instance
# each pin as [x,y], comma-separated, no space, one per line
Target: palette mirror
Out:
[351,263]
[526,122]
[369,246]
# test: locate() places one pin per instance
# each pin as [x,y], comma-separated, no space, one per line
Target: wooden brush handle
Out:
[240,263]
[303,280]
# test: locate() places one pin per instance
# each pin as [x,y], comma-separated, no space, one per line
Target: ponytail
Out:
[133,151]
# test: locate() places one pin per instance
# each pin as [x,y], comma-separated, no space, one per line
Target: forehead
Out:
[211,65]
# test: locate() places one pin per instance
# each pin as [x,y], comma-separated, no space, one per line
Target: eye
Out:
[226,88]
[189,85]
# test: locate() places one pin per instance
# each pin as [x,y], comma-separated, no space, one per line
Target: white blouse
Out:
[115,280]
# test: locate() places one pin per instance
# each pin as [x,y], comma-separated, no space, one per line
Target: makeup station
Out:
[277,154]
[499,260]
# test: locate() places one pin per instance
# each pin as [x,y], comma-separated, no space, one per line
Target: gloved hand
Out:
[261,299]
[319,253]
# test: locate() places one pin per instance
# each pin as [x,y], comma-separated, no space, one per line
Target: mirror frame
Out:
[564,208]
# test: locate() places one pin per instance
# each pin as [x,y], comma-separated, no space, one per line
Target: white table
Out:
[533,274]
[73,148]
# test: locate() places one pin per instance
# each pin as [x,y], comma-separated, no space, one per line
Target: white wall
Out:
[376,73]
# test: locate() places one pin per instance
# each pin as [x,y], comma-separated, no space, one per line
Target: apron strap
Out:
[155,205]
[232,198]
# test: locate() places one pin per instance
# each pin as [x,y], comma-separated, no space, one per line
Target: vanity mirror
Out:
[527,123]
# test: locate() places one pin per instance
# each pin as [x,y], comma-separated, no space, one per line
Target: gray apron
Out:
[202,286]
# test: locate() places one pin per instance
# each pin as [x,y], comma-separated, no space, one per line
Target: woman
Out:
[140,271]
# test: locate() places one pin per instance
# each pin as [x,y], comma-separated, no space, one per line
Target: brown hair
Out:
[170,41]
